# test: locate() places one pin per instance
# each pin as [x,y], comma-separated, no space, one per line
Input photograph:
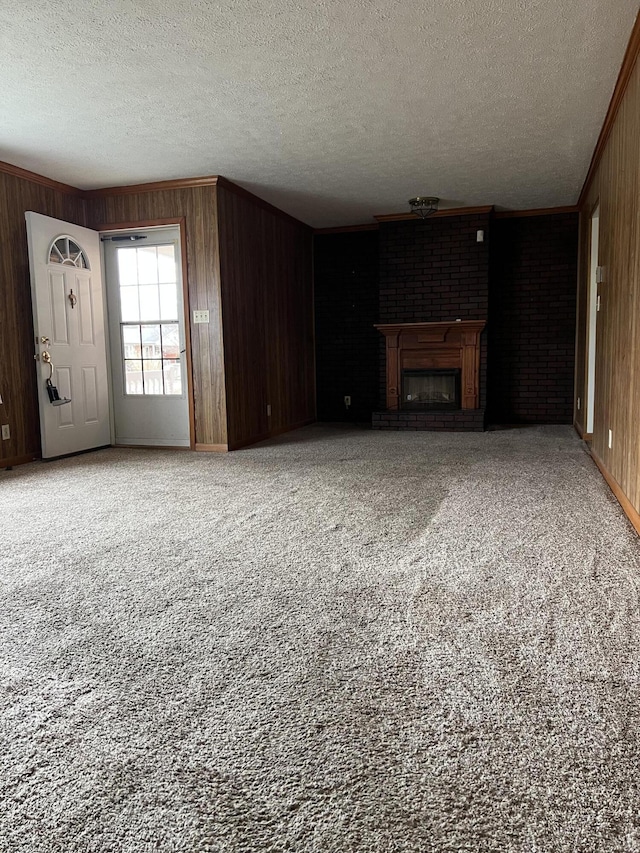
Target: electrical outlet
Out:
[610,439]
[347,400]
[579,403]
[268,410]
[6,432]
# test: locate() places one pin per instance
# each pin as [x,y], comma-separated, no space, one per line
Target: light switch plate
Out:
[200,316]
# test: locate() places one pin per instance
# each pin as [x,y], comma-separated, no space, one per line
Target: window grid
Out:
[66,251]
[149,321]
[151,359]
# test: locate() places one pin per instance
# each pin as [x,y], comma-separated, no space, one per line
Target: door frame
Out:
[591,337]
[142,225]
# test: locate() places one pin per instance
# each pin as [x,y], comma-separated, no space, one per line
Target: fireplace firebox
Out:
[431,390]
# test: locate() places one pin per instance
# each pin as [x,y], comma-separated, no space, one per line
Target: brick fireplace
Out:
[434,288]
[520,279]
[432,375]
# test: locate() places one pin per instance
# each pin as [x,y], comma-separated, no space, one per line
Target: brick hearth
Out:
[466,420]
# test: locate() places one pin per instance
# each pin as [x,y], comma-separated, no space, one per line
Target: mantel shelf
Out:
[394,328]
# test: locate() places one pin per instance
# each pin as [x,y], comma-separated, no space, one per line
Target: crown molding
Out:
[626,69]
[148,187]
[537,211]
[219,180]
[35,178]
[226,184]
[347,229]
[452,211]
[458,211]
[153,186]
[191,183]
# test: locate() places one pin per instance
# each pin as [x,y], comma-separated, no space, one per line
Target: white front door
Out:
[147,337]
[68,323]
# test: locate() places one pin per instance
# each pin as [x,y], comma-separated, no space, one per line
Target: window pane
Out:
[152,371]
[147,265]
[149,302]
[131,341]
[129,308]
[127,266]
[133,377]
[151,342]
[170,341]
[172,377]
[75,253]
[168,302]
[166,264]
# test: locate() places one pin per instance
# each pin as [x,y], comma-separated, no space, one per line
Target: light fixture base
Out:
[424,205]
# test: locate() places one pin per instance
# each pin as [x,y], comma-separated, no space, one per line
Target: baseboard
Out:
[628,508]
[212,448]
[247,442]
[291,427]
[152,446]
[12,461]
[585,436]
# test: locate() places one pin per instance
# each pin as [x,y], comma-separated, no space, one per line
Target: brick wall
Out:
[523,278]
[434,270]
[346,307]
[532,304]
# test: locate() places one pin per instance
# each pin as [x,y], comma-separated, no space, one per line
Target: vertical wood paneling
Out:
[582,321]
[616,184]
[17,373]
[289,313]
[244,278]
[267,306]
[198,207]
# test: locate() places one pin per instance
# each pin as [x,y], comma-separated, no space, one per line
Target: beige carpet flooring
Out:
[340,641]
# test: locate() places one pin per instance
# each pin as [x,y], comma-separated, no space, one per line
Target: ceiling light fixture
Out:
[423,205]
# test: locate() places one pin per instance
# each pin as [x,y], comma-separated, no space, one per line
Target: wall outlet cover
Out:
[6,432]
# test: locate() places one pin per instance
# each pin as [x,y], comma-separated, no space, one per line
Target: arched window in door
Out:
[64,250]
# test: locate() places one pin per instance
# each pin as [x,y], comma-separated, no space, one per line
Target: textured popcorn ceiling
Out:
[333,110]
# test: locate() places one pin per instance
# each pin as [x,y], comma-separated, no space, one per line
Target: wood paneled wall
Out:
[615,183]
[267,305]
[198,207]
[17,374]
[248,264]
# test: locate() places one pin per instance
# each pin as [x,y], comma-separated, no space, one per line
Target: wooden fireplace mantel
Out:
[424,346]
